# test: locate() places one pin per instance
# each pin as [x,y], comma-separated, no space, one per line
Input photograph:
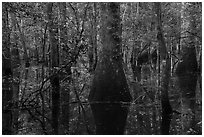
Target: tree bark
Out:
[95,35]
[93,39]
[15,59]
[7,92]
[90,48]
[22,38]
[109,96]
[65,92]
[53,31]
[164,56]
[187,68]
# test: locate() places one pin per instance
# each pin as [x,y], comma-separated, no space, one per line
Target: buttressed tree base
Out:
[109,95]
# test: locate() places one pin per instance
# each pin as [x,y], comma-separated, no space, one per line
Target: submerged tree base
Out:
[110,119]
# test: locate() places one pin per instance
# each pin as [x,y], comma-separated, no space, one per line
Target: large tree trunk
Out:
[109,96]
[53,30]
[166,107]
[7,92]
[187,69]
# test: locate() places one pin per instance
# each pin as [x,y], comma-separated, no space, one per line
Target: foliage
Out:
[139,27]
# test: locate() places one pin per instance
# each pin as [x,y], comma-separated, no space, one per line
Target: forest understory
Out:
[102,68]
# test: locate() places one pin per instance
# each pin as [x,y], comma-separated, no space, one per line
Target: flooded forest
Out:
[128,68]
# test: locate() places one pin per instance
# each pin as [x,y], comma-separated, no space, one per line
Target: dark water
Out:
[144,117]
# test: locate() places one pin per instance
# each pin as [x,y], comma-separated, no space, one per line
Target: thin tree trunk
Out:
[15,59]
[15,84]
[95,35]
[136,67]
[133,64]
[166,107]
[90,48]
[42,94]
[22,38]
[65,93]
[7,92]
[53,31]
[93,39]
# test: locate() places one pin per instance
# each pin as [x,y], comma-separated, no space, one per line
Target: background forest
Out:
[101,68]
